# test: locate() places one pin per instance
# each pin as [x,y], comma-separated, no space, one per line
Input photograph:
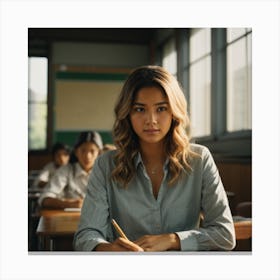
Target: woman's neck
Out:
[153,153]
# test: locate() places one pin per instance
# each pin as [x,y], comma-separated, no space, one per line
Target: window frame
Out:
[220,141]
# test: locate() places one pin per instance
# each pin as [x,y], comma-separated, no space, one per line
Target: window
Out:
[170,56]
[200,81]
[239,79]
[37,102]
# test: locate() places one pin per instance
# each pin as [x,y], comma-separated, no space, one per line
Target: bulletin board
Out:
[85,101]
[82,105]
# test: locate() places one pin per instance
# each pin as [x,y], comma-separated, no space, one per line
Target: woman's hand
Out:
[120,244]
[161,242]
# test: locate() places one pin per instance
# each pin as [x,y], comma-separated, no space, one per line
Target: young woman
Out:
[68,185]
[156,185]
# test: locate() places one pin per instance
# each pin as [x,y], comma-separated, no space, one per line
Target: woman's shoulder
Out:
[199,149]
[107,158]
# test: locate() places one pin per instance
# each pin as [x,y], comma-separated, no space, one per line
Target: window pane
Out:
[200,43]
[170,57]
[37,100]
[234,33]
[239,85]
[37,126]
[200,99]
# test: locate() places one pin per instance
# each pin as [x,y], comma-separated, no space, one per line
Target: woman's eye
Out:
[163,108]
[138,109]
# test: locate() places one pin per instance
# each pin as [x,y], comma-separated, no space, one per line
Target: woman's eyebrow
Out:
[162,103]
[138,104]
[156,104]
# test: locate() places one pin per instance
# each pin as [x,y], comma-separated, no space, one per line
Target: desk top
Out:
[58,212]
[55,225]
[60,222]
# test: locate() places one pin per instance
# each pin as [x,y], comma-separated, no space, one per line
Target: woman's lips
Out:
[151,131]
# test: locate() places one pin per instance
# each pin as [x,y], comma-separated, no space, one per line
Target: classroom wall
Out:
[237,178]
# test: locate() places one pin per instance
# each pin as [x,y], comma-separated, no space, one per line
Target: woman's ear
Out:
[174,122]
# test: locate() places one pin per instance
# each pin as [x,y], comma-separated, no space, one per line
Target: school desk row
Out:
[56,229]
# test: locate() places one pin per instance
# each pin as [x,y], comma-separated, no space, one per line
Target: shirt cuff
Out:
[88,245]
[188,240]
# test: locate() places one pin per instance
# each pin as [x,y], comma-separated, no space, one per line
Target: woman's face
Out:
[151,115]
[86,155]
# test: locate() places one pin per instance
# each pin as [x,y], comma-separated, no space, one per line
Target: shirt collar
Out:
[79,171]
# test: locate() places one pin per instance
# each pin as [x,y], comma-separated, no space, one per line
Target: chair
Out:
[244,209]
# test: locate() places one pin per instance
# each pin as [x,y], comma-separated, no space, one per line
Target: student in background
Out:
[60,157]
[68,185]
[156,184]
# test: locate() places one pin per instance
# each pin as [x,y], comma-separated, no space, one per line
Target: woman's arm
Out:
[95,226]
[217,229]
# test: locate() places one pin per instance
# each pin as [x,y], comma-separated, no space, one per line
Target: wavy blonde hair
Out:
[177,143]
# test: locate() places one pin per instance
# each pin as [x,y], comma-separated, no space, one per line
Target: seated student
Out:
[60,157]
[68,185]
[156,184]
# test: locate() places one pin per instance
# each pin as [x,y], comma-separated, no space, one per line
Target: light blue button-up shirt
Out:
[177,208]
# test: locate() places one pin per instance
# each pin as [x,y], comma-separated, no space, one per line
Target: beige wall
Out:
[85,104]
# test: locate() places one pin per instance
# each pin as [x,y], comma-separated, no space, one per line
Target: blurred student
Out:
[68,185]
[60,156]
[156,183]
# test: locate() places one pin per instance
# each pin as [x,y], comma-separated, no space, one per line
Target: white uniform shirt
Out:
[69,181]
[45,174]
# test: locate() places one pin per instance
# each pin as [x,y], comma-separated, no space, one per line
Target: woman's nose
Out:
[151,118]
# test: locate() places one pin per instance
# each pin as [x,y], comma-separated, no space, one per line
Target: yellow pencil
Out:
[118,229]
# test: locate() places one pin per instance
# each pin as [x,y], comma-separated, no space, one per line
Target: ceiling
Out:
[40,38]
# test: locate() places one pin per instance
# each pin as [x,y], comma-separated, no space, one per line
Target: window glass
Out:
[200,82]
[200,97]
[234,33]
[200,43]
[239,89]
[37,102]
[170,57]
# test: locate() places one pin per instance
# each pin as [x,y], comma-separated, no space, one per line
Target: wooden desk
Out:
[243,229]
[243,232]
[56,230]
[56,212]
